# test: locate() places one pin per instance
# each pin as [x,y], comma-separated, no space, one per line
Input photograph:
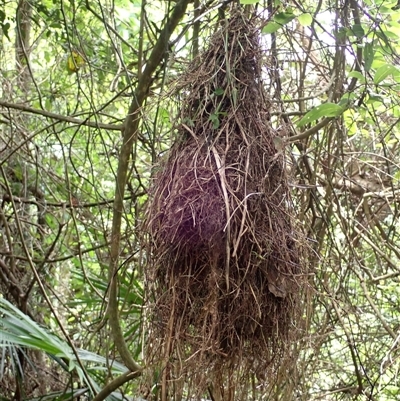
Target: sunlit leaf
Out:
[305,19]
[368,56]
[323,110]
[284,17]
[383,72]
[372,98]
[271,27]
[279,21]
[249,1]
[358,75]
[396,7]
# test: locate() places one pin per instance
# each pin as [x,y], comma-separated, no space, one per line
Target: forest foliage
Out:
[87,111]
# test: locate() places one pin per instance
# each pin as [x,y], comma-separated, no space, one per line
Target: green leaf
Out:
[215,120]
[4,26]
[358,75]
[342,33]
[91,357]
[284,18]
[271,27]
[396,76]
[358,31]
[17,329]
[382,35]
[372,98]
[368,56]
[62,395]
[323,110]
[219,92]
[347,99]
[249,1]
[383,72]
[305,19]
[280,20]
[396,7]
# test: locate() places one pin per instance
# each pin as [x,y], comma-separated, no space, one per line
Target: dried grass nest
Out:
[224,265]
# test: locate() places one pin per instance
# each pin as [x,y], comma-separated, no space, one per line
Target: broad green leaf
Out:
[347,99]
[284,17]
[271,27]
[396,7]
[372,98]
[358,31]
[91,357]
[280,20]
[305,19]
[17,329]
[396,76]
[249,1]
[215,120]
[356,74]
[323,110]
[388,36]
[368,56]
[383,72]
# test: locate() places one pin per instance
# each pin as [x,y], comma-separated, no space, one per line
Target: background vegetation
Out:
[84,116]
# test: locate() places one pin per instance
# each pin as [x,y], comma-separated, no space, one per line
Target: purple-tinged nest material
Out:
[224,260]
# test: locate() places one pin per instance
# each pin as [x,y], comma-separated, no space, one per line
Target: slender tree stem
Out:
[129,137]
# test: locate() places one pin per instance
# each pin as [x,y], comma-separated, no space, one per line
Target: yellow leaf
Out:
[74,62]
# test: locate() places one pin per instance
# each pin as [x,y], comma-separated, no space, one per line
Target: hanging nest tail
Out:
[224,264]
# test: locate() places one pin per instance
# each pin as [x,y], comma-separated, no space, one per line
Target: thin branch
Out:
[140,58]
[41,286]
[66,205]
[59,117]
[113,385]
[130,134]
[312,97]
[196,29]
[311,131]
[111,28]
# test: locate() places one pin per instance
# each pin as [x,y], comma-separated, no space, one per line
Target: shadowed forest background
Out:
[88,109]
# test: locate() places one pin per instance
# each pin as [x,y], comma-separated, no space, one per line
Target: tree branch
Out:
[310,131]
[54,116]
[112,386]
[130,134]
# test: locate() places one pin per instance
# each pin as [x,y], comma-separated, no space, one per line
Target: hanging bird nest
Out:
[224,260]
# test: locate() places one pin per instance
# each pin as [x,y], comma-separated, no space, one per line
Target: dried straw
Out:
[224,261]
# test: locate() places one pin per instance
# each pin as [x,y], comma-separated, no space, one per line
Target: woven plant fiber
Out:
[224,264]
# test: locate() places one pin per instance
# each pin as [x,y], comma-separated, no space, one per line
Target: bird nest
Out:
[224,267]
